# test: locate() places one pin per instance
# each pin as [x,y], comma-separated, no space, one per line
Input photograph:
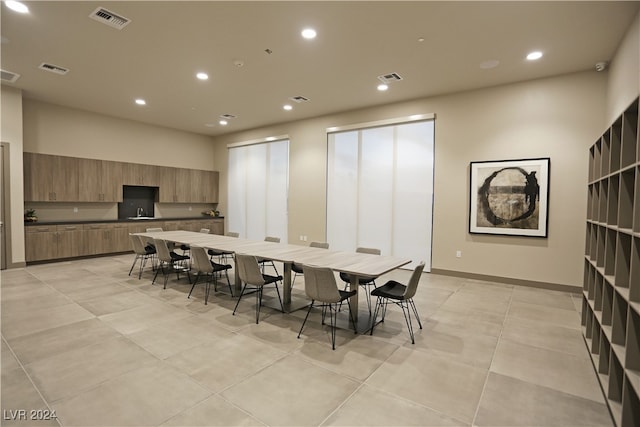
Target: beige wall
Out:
[53,129]
[11,134]
[557,117]
[624,73]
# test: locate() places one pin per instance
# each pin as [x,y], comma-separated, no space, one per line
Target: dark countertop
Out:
[102,221]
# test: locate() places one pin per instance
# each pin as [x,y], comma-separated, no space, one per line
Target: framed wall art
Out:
[510,197]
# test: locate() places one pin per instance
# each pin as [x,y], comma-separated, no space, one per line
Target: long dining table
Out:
[357,265]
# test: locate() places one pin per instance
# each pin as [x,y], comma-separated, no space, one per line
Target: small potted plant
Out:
[30,215]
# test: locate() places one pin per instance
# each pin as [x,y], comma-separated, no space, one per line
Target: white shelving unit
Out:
[611,290]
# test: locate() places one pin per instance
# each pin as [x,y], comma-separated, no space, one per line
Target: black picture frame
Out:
[509,197]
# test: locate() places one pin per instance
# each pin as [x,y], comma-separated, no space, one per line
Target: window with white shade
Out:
[257,189]
[380,189]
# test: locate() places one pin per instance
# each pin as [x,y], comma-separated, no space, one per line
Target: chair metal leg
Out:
[305,318]
[333,314]
[406,311]
[279,299]
[415,311]
[134,263]
[194,285]
[207,289]
[239,298]
[353,321]
[258,303]
[144,262]
[375,314]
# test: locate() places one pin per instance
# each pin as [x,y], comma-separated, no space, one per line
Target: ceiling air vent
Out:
[109,18]
[227,116]
[299,99]
[389,78]
[54,68]
[8,76]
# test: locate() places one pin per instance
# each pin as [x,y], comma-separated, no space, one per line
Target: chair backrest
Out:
[321,245]
[154,229]
[372,251]
[272,239]
[232,234]
[200,260]
[163,250]
[320,284]
[249,270]
[413,282]
[205,230]
[136,242]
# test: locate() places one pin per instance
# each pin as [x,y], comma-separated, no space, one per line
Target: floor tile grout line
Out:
[45,401]
[486,380]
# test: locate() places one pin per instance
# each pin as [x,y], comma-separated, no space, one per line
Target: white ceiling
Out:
[157,55]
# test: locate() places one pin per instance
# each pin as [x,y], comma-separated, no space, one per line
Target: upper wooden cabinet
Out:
[139,174]
[50,178]
[71,179]
[178,185]
[100,181]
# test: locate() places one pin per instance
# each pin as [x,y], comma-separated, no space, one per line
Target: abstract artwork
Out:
[509,197]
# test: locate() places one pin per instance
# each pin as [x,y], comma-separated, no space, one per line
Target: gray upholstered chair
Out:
[320,285]
[143,253]
[297,268]
[169,261]
[251,275]
[393,292]
[207,268]
[365,282]
[264,261]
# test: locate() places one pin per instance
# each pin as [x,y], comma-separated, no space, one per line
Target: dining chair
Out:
[170,260]
[366,281]
[297,268]
[320,285]
[264,261]
[251,275]
[223,255]
[205,267]
[143,253]
[393,292]
[185,248]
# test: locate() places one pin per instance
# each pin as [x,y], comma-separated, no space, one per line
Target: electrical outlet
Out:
[305,238]
[458,254]
[75,210]
[301,238]
[190,208]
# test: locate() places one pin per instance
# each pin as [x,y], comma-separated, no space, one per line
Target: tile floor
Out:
[99,348]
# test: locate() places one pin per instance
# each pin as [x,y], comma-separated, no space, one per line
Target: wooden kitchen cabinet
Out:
[204,186]
[139,174]
[50,178]
[53,242]
[100,181]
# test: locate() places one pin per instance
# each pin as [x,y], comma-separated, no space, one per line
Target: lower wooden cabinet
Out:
[49,242]
[53,242]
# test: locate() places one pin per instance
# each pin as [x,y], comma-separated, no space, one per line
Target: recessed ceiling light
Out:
[202,76]
[223,122]
[309,33]
[141,101]
[16,6]
[488,64]
[534,55]
[382,87]
[287,107]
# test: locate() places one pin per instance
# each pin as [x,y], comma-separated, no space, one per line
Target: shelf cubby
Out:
[630,407]
[629,134]
[636,206]
[603,209]
[610,252]
[610,315]
[597,158]
[616,379]
[625,198]
[614,152]
[619,320]
[607,304]
[602,232]
[613,196]
[623,260]
[634,271]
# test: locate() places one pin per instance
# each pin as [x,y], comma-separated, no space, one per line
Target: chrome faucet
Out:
[139,212]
